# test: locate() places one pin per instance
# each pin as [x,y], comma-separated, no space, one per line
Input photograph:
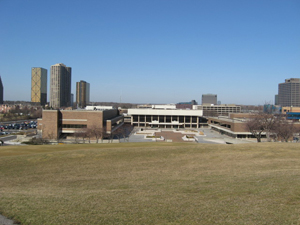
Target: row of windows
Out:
[74,126]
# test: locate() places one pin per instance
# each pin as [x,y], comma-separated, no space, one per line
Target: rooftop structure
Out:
[101,108]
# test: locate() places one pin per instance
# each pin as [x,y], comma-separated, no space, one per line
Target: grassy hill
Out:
[151,183]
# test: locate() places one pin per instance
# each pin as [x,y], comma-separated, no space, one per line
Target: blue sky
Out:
[154,51]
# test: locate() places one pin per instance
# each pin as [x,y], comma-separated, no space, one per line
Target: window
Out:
[74,126]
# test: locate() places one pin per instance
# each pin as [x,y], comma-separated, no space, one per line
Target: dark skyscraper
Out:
[1,91]
[82,93]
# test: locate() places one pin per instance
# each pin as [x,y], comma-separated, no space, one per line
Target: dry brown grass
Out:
[151,183]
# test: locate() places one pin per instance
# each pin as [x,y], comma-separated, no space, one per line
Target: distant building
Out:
[60,86]
[272,109]
[193,102]
[209,99]
[289,92]
[1,91]
[218,110]
[82,94]
[186,105]
[72,99]
[276,99]
[39,85]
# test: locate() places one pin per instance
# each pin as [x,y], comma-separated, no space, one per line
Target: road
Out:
[8,138]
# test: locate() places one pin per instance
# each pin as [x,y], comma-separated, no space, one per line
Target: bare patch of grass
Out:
[151,183]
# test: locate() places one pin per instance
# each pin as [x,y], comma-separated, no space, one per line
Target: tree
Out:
[256,128]
[284,129]
[262,122]
[98,132]
[89,134]
[268,122]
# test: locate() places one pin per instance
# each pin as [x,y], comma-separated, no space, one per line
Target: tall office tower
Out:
[1,91]
[209,99]
[39,85]
[289,92]
[82,93]
[60,86]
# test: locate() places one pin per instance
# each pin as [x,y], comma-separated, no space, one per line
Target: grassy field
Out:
[151,183]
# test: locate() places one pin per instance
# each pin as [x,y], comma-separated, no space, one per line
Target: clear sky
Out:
[153,51]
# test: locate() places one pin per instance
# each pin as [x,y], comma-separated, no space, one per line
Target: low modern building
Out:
[233,125]
[166,118]
[56,124]
[292,113]
[218,110]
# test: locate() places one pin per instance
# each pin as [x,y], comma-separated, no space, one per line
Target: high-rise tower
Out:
[209,99]
[82,93]
[289,92]
[39,85]
[60,86]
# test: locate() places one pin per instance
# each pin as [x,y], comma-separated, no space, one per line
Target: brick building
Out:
[56,124]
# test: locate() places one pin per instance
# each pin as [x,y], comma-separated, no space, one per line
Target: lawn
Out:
[151,183]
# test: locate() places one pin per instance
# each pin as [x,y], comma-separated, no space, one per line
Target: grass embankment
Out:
[151,183]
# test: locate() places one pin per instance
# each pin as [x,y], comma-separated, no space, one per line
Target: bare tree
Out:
[262,122]
[89,134]
[82,133]
[256,128]
[284,129]
[98,132]
[268,121]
